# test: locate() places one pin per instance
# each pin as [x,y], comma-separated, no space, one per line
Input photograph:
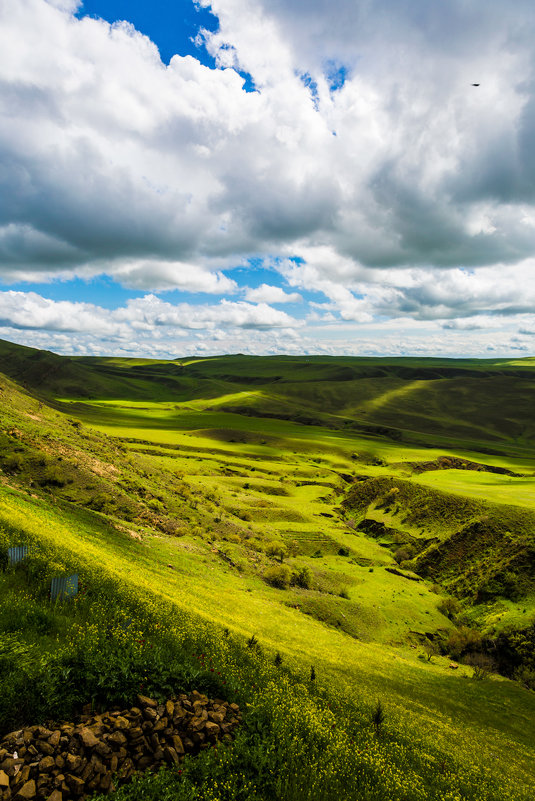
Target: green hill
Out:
[368,518]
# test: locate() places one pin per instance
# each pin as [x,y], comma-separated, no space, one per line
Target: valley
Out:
[372,520]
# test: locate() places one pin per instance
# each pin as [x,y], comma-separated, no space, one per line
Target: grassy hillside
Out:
[327,508]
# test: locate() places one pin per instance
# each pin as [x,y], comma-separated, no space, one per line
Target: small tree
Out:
[430,649]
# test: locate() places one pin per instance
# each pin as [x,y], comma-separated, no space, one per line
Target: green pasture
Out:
[186,486]
[498,488]
[478,723]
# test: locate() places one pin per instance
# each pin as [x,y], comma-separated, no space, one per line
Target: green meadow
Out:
[349,543]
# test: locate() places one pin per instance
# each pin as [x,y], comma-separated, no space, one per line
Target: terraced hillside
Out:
[370,519]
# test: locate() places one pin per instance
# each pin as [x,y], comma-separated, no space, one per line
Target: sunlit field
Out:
[279,519]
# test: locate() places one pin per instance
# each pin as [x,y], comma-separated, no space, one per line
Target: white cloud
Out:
[28,310]
[404,191]
[271,294]
[156,276]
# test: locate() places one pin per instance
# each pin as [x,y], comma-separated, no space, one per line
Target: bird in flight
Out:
[475,84]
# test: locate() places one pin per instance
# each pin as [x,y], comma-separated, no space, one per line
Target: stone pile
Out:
[59,762]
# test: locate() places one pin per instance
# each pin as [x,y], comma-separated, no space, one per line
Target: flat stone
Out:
[117,738]
[4,779]
[88,738]
[44,747]
[55,795]
[75,783]
[170,755]
[103,749]
[105,782]
[73,762]
[144,701]
[47,764]
[27,790]
[178,745]
[211,729]
[53,740]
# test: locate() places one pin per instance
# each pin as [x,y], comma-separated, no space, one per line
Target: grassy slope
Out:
[231,470]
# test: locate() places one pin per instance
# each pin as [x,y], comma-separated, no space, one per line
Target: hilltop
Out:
[372,519]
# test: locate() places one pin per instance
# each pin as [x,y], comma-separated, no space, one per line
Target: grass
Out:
[421,697]
[166,504]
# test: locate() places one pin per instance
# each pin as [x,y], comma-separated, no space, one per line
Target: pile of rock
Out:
[67,761]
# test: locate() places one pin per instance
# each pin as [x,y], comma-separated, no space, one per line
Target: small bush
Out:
[13,463]
[302,578]
[526,676]
[404,554]
[482,665]
[279,577]
[277,549]
[343,551]
[449,607]
[378,716]
[463,641]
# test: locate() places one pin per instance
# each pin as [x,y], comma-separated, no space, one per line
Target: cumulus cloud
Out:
[112,154]
[271,294]
[365,166]
[157,276]
[28,310]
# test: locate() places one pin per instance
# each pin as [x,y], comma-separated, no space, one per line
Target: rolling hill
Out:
[370,519]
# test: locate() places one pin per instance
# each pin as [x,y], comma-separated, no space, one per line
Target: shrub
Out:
[13,463]
[303,578]
[279,577]
[171,527]
[343,551]
[526,676]
[378,716]
[482,665]
[277,549]
[463,641]
[52,477]
[404,554]
[449,607]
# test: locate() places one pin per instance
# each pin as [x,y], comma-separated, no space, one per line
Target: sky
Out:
[184,177]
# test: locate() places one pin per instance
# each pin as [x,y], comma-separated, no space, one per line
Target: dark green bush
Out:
[449,607]
[279,577]
[302,578]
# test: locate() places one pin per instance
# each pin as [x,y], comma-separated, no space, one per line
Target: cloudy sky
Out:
[268,176]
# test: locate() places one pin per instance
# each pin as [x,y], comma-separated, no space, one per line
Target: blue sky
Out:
[171,24]
[224,176]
